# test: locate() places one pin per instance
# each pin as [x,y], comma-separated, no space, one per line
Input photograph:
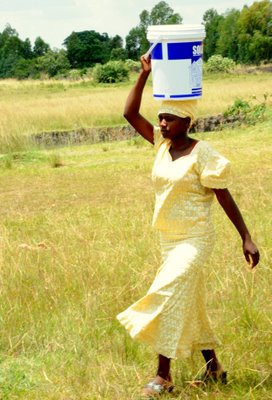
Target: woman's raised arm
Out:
[133,103]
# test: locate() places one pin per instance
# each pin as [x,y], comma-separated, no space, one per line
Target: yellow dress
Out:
[172,316]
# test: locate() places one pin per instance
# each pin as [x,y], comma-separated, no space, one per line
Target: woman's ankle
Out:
[214,367]
[165,377]
[164,367]
[212,363]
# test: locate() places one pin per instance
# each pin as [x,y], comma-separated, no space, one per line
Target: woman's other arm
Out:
[227,202]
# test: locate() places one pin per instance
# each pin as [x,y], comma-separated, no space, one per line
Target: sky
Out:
[54,20]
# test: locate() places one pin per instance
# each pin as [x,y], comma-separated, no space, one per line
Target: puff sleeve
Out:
[214,169]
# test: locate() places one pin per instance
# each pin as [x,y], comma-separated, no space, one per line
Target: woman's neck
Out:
[181,143]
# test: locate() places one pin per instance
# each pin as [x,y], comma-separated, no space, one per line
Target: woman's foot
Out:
[215,376]
[210,377]
[157,387]
[214,370]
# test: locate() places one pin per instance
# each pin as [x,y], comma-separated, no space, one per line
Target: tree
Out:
[40,47]
[7,33]
[255,32]
[118,54]
[133,43]
[260,48]
[87,48]
[12,49]
[162,14]
[244,36]
[116,42]
[24,69]
[227,43]
[7,63]
[53,63]
[212,21]
[136,41]
[117,51]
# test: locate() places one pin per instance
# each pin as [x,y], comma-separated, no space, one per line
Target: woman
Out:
[187,174]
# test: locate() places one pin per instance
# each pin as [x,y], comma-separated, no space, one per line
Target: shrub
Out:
[217,63]
[74,74]
[24,69]
[250,113]
[133,66]
[53,63]
[111,72]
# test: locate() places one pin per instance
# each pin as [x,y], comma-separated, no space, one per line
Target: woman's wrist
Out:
[145,72]
[246,236]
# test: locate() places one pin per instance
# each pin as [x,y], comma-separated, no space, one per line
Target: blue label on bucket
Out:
[157,52]
[177,70]
[183,51]
[179,51]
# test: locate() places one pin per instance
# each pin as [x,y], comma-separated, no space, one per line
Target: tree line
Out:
[245,36]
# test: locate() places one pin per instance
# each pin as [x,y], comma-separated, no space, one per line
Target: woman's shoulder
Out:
[207,153]
[204,147]
[203,144]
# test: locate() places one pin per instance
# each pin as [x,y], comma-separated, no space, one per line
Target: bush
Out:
[217,63]
[24,69]
[133,66]
[74,74]
[111,72]
[53,63]
[250,113]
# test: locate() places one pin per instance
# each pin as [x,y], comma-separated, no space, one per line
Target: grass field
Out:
[31,107]
[76,248]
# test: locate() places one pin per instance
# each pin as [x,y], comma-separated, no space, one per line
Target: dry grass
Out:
[32,107]
[77,247]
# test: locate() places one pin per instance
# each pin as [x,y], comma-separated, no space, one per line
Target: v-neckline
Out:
[181,157]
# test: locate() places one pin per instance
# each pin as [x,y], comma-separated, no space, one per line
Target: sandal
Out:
[210,377]
[153,389]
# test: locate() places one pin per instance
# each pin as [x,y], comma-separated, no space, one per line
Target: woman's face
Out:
[172,126]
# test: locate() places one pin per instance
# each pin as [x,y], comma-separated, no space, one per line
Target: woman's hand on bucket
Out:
[146,63]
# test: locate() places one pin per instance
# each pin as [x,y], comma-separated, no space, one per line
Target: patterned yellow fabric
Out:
[183,187]
[172,316]
[182,108]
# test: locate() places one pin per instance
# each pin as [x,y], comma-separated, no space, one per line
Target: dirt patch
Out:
[107,134]
[216,123]
[254,69]
[84,135]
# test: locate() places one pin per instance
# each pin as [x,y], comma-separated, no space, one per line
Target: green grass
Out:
[76,248]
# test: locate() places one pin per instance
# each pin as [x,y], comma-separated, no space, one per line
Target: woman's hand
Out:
[146,63]
[251,252]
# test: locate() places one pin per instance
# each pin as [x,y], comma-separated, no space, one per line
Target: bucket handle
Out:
[147,54]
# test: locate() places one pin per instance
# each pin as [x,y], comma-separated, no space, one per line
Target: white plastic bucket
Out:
[176,61]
